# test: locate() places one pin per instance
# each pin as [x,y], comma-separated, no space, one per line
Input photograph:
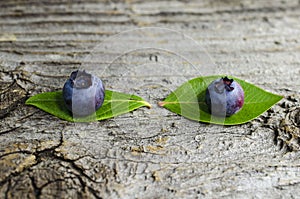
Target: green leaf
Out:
[114,104]
[189,101]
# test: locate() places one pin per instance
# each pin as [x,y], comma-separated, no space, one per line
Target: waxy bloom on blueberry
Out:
[224,97]
[83,93]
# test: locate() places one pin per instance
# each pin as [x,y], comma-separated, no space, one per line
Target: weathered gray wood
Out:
[149,153]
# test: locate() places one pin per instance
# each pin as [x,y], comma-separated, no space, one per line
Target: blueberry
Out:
[224,97]
[83,93]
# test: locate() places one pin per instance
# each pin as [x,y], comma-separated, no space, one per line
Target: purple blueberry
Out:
[83,93]
[224,97]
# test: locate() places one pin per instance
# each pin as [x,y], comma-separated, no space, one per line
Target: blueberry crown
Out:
[81,79]
[227,82]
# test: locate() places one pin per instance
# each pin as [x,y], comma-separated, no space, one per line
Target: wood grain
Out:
[149,153]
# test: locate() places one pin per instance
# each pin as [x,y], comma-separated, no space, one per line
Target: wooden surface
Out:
[149,153]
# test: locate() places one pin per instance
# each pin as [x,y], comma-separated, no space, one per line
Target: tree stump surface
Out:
[148,153]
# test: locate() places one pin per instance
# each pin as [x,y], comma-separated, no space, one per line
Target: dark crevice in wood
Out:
[232,11]
[9,130]
[6,196]
[66,3]
[66,22]
[36,189]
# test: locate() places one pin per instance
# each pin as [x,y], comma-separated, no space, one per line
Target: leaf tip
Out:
[148,105]
[28,101]
[161,103]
